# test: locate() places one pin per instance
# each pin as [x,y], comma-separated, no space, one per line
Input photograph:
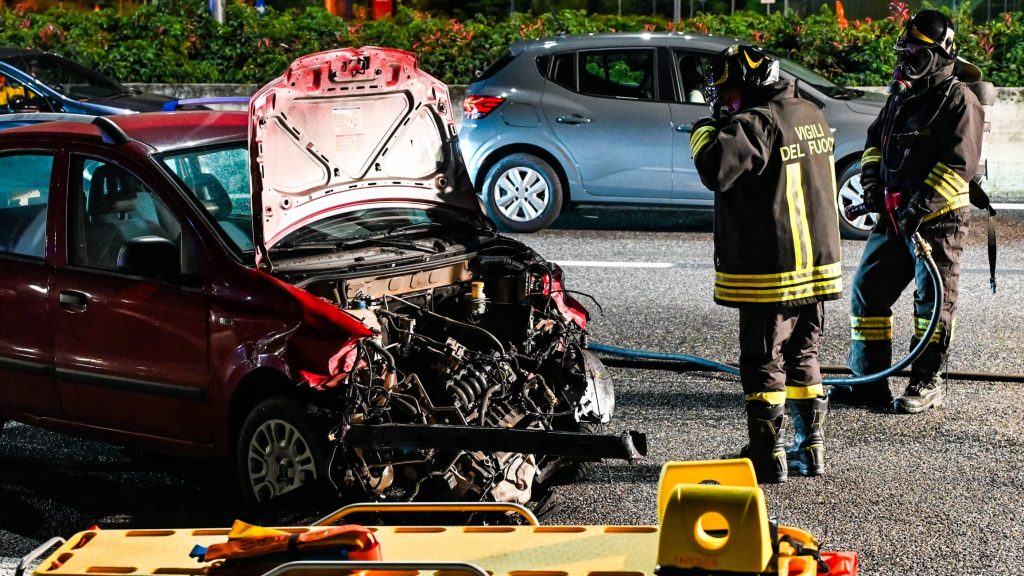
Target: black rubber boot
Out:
[807,454]
[921,395]
[765,425]
[873,395]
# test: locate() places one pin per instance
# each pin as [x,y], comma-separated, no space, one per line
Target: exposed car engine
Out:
[486,341]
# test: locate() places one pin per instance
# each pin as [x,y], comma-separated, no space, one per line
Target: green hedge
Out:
[180,43]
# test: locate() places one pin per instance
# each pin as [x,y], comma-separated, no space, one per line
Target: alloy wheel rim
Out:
[280,460]
[521,194]
[851,194]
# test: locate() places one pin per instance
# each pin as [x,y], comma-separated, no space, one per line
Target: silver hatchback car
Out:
[606,119]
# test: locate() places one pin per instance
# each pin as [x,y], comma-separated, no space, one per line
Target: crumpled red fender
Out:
[339,367]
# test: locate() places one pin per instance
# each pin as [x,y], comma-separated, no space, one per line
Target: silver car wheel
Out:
[851,194]
[280,460]
[521,194]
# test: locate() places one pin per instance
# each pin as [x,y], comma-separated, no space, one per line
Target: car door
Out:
[606,112]
[689,75]
[27,386]
[131,351]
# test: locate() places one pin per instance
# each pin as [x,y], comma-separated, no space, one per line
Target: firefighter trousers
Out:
[779,352]
[886,268]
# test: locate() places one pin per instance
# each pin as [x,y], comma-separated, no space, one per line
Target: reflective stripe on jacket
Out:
[776,222]
[927,144]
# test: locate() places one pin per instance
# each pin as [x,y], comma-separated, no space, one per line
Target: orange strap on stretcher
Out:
[247,541]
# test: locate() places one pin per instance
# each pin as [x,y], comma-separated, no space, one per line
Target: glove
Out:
[909,218]
[874,199]
[703,133]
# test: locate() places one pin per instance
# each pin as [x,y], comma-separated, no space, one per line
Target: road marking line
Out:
[599,264]
[1007,206]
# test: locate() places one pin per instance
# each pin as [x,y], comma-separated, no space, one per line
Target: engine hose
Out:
[924,253]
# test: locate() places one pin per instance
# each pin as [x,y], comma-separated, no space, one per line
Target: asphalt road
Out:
[931,494]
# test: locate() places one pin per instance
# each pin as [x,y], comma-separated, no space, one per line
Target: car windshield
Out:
[70,79]
[358,225]
[218,178]
[812,78]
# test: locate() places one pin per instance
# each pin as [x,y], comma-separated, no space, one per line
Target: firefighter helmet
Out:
[930,29]
[738,66]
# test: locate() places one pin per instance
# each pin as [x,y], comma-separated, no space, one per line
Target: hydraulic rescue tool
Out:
[712,520]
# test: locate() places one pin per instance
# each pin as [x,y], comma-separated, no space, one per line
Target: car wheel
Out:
[523,193]
[850,193]
[278,450]
[578,470]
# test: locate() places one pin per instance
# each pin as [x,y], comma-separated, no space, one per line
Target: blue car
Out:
[36,81]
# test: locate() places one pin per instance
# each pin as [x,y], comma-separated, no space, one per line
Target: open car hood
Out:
[348,127]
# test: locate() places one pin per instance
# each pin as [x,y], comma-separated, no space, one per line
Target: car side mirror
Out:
[150,256]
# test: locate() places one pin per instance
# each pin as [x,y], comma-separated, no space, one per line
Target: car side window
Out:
[108,207]
[24,196]
[620,73]
[563,70]
[691,74]
[219,180]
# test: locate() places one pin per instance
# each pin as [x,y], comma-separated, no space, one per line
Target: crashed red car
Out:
[310,290]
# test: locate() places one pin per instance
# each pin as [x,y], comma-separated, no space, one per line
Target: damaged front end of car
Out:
[466,374]
[468,390]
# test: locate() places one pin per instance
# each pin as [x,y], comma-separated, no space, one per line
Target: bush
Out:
[179,42]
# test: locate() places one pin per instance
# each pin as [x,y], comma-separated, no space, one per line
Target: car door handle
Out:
[73,300]
[684,128]
[574,119]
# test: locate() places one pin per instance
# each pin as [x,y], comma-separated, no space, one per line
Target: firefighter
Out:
[768,156]
[920,154]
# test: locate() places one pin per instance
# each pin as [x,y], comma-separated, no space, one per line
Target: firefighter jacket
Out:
[776,221]
[926,143]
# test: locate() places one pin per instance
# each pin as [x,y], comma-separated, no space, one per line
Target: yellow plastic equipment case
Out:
[712,520]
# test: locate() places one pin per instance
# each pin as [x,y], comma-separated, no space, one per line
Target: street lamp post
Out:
[217,8]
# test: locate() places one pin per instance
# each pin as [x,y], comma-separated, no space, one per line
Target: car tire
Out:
[575,471]
[849,192]
[523,193]
[279,450]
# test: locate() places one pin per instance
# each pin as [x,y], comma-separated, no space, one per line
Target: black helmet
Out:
[931,29]
[738,66]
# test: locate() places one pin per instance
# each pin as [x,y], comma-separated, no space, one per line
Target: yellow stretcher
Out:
[712,520]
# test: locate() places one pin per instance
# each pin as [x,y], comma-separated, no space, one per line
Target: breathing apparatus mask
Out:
[740,68]
[925,47]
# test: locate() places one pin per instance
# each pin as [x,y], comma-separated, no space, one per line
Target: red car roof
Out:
[160,130]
